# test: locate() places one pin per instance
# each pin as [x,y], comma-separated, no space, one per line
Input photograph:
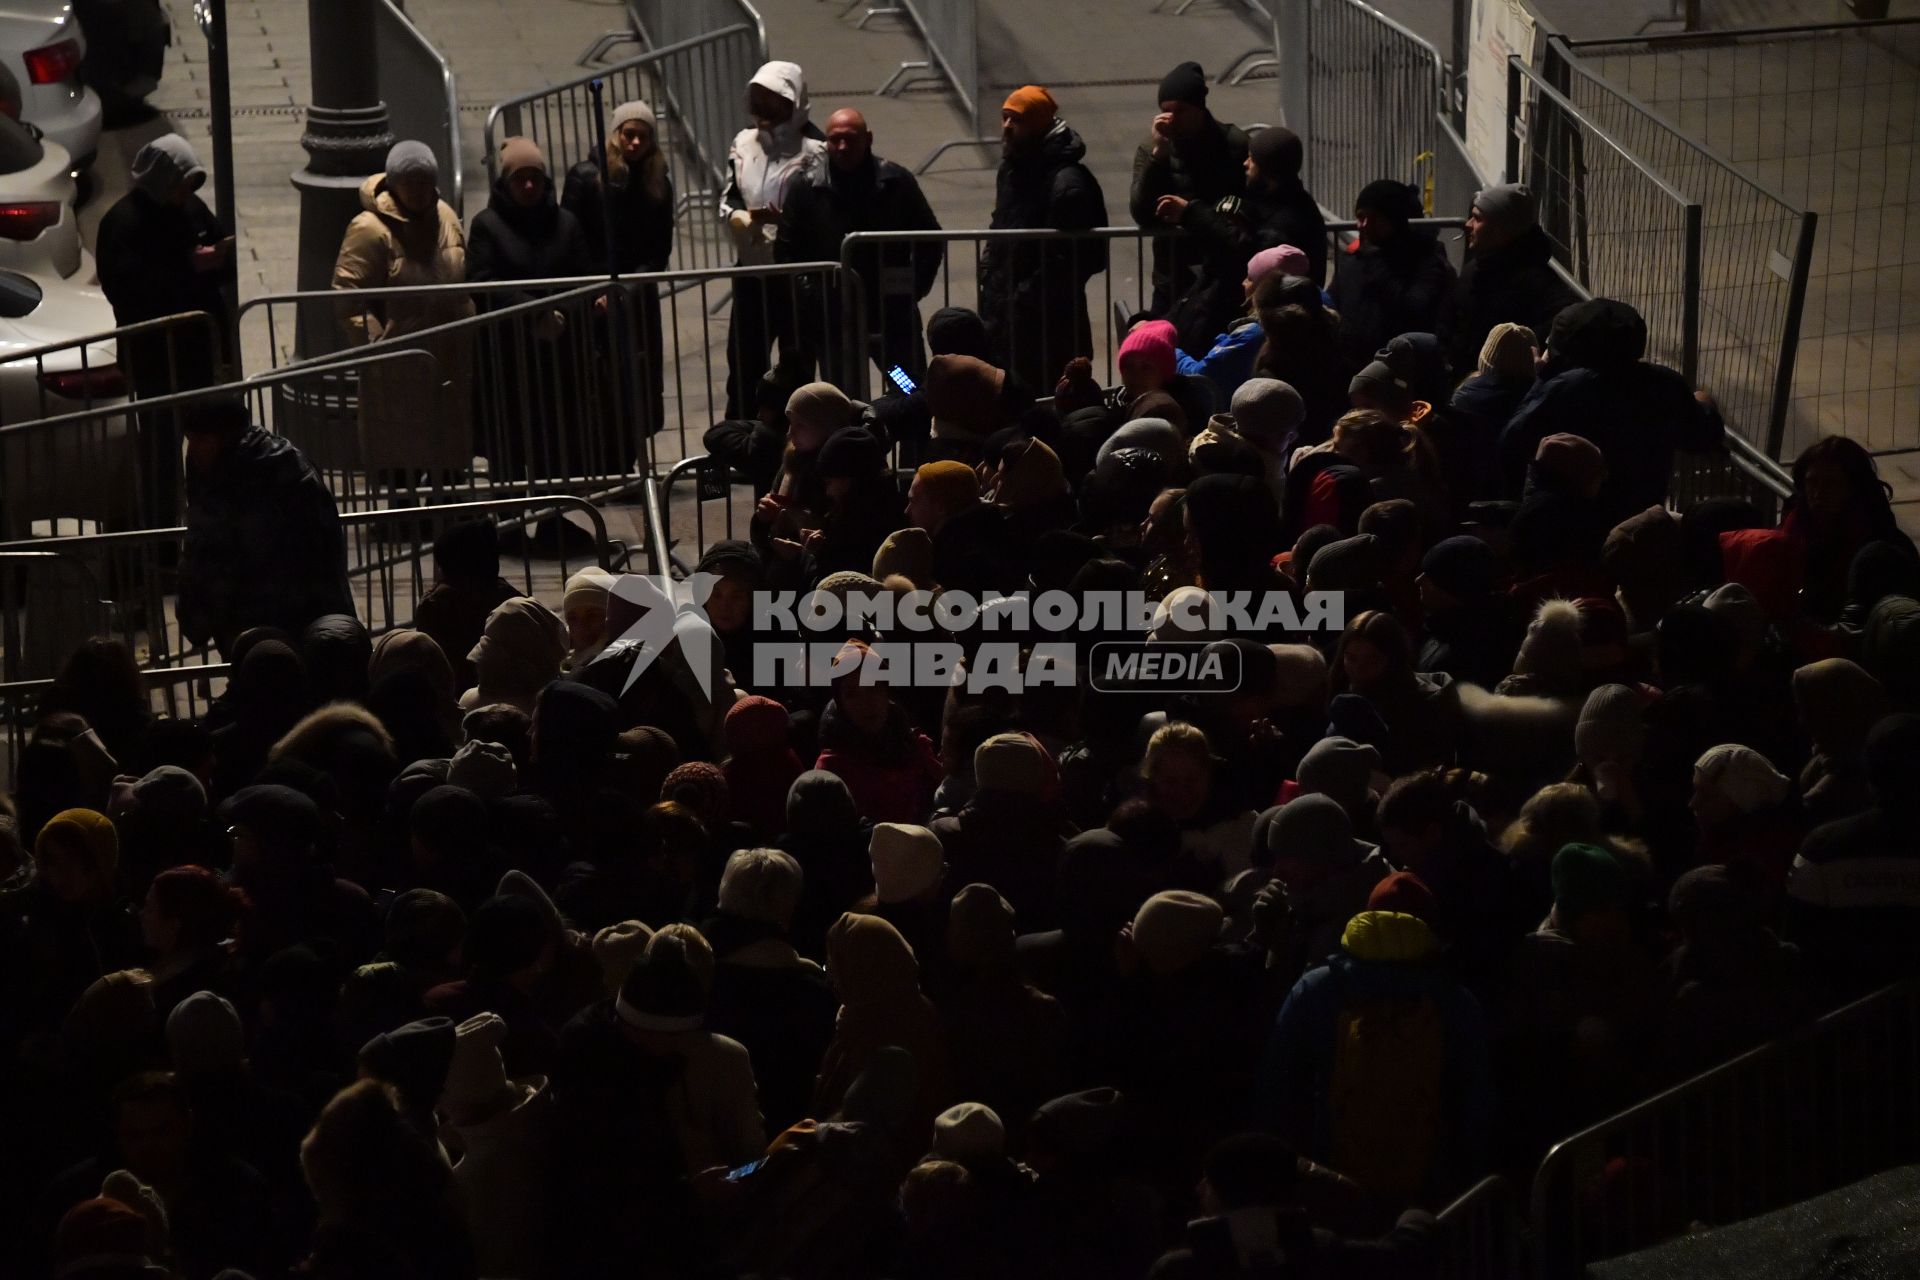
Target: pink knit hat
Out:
[1283,258]
[1153,342]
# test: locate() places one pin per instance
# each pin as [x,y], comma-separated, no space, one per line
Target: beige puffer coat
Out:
[387,248]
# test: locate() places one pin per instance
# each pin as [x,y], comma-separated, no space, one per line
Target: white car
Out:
[48,296]
[41,44]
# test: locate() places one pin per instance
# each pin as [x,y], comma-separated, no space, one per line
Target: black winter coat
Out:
[144,253]
[264,546]
[1637,414]
[144,256]
[508,242]
[1516,284]
[642,225]
[1205,168]
[1231,233]
[1032,296]
[882,196]
[1383,291]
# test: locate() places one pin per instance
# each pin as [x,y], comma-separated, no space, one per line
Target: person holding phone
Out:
[161,251]
[779,151]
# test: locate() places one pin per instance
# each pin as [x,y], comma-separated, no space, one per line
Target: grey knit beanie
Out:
[412,159]
[1510,206]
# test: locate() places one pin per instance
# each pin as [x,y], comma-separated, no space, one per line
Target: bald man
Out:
[857,191]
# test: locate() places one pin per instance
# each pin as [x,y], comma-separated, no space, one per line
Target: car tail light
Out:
[101,382]
[25,220]
[52,63]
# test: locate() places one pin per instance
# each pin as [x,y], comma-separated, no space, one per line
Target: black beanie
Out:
[1185,83]
[851,453]
[414,1059]
[956,331]
[1395,200]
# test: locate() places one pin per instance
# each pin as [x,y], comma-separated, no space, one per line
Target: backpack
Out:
[1384,1098]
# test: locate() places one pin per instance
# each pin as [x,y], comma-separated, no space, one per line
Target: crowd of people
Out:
[503,946]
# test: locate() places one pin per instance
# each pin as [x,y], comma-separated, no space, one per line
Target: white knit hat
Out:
[1745,777]
[907,861]
[1173,929]
[635,110]
[969,1131]
[477,1075]
[617,948]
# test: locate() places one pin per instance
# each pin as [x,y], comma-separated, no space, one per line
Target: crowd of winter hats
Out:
[505,945]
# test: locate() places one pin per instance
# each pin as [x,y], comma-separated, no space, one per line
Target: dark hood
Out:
[536,221]
[1060,148]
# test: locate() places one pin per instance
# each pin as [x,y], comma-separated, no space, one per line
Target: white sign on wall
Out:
[1500,28]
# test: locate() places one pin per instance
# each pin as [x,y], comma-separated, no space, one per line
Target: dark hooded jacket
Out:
[1382,291]
[642,224]
[1598,387]
[1032,295]
[264,546]
[1515,283]
[1232,231]
[509,242]
[1205,167]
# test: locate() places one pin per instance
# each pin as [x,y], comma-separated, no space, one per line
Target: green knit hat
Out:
[1587,878]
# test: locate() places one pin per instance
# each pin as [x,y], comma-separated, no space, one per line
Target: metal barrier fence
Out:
[664,22]
[152,358]
[1815,1110]
[178,692]
[1482,1237]
[951,30]
[1762,125]
[88,466]
[416,83]
[587,404]
[696,88]
[60,591]
[1619,228]
[1365,94]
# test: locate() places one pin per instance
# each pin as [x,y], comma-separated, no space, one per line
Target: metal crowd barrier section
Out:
[1771,127]
[665,22]
[49,603]
[592,402]
[1482,1234]
[124,585]
[1619,227]
[1365,94]
[416,83]
[179,692]
[697,90]
[152,358]
[1815,1110]
[95,467]
[951,30]
[1046,296]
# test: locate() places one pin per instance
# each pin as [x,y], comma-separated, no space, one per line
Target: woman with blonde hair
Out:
[628,220]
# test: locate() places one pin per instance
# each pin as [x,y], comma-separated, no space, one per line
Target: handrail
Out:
[748,13]
[1566,104]
[348,519]
[109,335]
[286,373]
[569,283]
